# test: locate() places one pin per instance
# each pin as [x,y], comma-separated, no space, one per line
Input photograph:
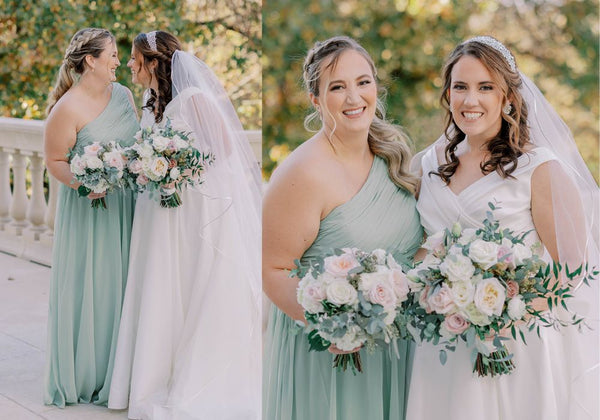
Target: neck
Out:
[92,86]
[349,147]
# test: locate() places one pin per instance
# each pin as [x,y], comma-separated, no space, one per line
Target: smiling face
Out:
[476,100]
[105,65]
[348,95]
[139,74]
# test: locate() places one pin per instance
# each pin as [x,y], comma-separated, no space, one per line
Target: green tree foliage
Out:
[226,34]
[555,43]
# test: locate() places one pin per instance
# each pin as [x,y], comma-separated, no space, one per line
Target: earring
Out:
[151,71]
[507,108]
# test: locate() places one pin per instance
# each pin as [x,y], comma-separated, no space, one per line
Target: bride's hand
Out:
[333,349]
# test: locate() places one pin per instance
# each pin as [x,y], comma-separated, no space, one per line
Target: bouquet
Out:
[352,298]
[479,284]
[162,161]
[99,169]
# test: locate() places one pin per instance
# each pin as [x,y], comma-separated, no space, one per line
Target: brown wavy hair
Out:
[166,44]
[386,140]
[88,41]
[510,142]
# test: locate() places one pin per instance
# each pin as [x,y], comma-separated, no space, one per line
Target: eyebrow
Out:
[480,83]
[358,78]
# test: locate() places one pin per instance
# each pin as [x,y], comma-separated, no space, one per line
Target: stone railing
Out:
[26,218]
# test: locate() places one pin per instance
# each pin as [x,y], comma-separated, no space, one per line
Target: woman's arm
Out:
[59,136]
[291,216]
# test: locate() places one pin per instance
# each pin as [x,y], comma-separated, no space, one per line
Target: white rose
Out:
[174,173]
[143,149]
[467,236]
[484,253]
[340,292]
[457,267]
[100,187]
[77,165]
[158,168]
[463,292]
[441,301]
[380,254]
[114,159]
[369,280]
[521,253]
[339,265]
[351,340]
[516,308]
[160,143]
[489,296]
[310,293]
[93,162]
[475,316]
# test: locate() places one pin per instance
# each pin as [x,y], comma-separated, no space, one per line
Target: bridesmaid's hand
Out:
[93,196]
[333,349]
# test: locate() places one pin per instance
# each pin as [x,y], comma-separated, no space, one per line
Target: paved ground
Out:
[23,312]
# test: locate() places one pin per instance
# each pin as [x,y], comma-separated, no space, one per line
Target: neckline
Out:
[486,176]
[112,95]
[358,193]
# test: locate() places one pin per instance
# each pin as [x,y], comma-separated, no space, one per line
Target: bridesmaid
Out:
[91,246]
[347,186]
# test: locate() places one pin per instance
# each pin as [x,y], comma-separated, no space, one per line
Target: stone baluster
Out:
[5,194]
[37,203]
[18,208]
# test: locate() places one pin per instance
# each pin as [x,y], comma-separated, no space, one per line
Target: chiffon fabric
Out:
[299,384]
[538,387]
[89,271]
[189,340]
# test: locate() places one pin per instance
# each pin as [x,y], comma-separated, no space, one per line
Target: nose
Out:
[129,63]
[471,97]
[118,62]
[352,95]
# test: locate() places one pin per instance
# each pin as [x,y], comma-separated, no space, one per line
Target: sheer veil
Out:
[218,364]
[576,208]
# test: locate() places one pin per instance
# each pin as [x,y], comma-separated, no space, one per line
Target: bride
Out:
[189,339]
[505,144]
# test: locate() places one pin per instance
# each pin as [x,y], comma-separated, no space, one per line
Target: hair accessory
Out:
[151,38]
[498,46]
[507,108]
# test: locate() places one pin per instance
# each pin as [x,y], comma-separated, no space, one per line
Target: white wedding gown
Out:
[189,340]
[538,388]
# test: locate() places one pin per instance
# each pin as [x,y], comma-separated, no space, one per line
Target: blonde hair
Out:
[386,140]
[88,41]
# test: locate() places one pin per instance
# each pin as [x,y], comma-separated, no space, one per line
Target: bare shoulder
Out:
[66,113]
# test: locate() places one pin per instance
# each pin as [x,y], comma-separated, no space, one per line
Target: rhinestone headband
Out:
[498,46]
[151,38]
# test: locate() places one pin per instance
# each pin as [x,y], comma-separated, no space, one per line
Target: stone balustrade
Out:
[26,217]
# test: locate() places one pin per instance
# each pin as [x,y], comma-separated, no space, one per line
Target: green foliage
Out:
[555,43]
[34,35]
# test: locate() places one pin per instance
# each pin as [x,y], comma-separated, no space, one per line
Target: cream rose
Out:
[174,173]
[516,308]
[340,292]
[158,168]
[441,301]
[489,296]
[160,143]
[484,253]
[340,265]
[474,315]
[369,280]
[93,162]
[463,292]
[457,267]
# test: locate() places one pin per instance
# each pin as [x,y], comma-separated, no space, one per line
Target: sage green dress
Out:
[302,385]
[89,269]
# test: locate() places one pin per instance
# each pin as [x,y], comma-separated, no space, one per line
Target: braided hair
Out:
[88,41]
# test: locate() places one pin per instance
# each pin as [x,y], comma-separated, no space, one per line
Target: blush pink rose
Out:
[382,294]
[400,284]
[442,301]
[456,324]
[142,180]
[512,289]
[424,301]
[339,265]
